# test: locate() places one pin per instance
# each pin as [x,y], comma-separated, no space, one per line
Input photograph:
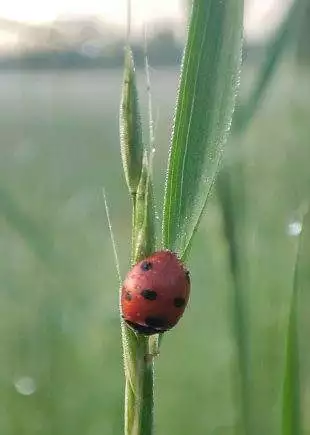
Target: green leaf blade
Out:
[209,80]
[292,381]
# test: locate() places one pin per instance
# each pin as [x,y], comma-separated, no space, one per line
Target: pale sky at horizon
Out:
[114,11]
[260,13]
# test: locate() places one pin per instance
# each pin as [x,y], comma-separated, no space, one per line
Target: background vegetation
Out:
[60,363]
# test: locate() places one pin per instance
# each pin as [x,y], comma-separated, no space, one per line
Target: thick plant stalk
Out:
[139,401]
[139,366]
[139,386]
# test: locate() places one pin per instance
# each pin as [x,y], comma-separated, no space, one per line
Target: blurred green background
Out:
[61,369]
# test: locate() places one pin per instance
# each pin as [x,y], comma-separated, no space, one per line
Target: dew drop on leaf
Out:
[294,228]
[25,385]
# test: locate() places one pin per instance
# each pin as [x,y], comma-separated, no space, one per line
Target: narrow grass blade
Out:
[116,259]
[128,337]
[231,227]
[209,80]
[275,48]
[303,52]
[291,401]
[291,388]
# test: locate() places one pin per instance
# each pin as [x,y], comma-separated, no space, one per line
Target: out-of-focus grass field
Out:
[59,322]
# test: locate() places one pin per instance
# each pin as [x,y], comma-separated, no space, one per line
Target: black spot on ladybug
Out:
[178,302]
[148,294]
[187,274]
[156,322]
[128,296]
[146,265]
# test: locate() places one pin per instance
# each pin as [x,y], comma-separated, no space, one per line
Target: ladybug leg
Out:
[153,347]
[148,358]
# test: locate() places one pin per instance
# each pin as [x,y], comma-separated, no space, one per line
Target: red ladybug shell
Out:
[155,293]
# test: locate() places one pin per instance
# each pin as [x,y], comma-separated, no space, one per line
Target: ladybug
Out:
[155,293]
